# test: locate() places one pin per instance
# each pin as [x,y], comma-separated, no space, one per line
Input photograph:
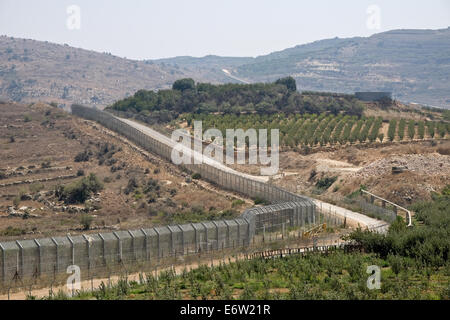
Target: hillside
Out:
[414,64]
[32,71]
[46,153]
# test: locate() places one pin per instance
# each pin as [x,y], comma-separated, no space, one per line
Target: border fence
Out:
[49,257]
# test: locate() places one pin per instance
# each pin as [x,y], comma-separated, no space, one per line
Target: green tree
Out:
[391,129]
[289,82]
[184,84]
[411,129]
[401,129]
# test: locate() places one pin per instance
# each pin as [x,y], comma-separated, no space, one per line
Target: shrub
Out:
[83,156]
[86,221]
[196,176]
[46,164]
[80,172]
[79,191]
[11,231]
[237,202]
[36,187]
[258,200]
[428,244]
[325,182]
[132,185]
[27,118]
[16,201]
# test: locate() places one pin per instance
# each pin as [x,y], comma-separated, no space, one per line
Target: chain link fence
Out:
[26,261]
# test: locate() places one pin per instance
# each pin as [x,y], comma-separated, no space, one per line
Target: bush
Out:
[428,244]
[184,84]
[16,201]
[132,185]
[11,231]
[26,118]
[46,164]
[80,172]
[196,176]
[259,200]
[79,191]
[237,202]
[86,221]
[325,183]
[83,156]
[36,187]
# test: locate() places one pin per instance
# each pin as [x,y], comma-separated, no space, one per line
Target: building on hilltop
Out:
[373,96]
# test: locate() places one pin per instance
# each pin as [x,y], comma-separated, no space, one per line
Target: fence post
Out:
[73,249]
[228,233]
[195,237]
[238,231]
[56,254]
[20,270]
[159,247]
[182,239]
[39,256]
[145,244]
[120,245]
[133,245]
[88,247]
[172,247]
[217,234]
[206,235]
[104,248]
[3,264]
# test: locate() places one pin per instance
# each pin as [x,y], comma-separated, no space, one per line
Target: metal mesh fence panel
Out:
[109,251]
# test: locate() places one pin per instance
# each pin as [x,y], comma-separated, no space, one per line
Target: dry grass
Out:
[55,136]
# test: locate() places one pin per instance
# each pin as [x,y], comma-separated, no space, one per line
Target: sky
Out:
[151,29]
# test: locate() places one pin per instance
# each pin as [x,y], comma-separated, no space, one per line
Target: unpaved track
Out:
[354,218]
[196,155]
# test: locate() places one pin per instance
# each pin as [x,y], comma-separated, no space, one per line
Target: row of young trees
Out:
[431,128]
[316,129]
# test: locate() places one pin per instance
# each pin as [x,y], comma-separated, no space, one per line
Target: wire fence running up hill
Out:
[49,257]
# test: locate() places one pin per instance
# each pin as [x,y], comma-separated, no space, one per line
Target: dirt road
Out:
[354,218]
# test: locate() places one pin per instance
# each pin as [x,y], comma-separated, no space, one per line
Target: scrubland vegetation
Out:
[413,262]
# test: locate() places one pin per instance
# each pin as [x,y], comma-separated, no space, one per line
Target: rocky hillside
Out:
[414,64]
[41,71]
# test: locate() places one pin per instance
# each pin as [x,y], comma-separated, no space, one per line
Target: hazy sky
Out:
[150,29]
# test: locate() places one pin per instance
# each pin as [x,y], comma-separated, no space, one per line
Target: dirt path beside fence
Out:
[93,284]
